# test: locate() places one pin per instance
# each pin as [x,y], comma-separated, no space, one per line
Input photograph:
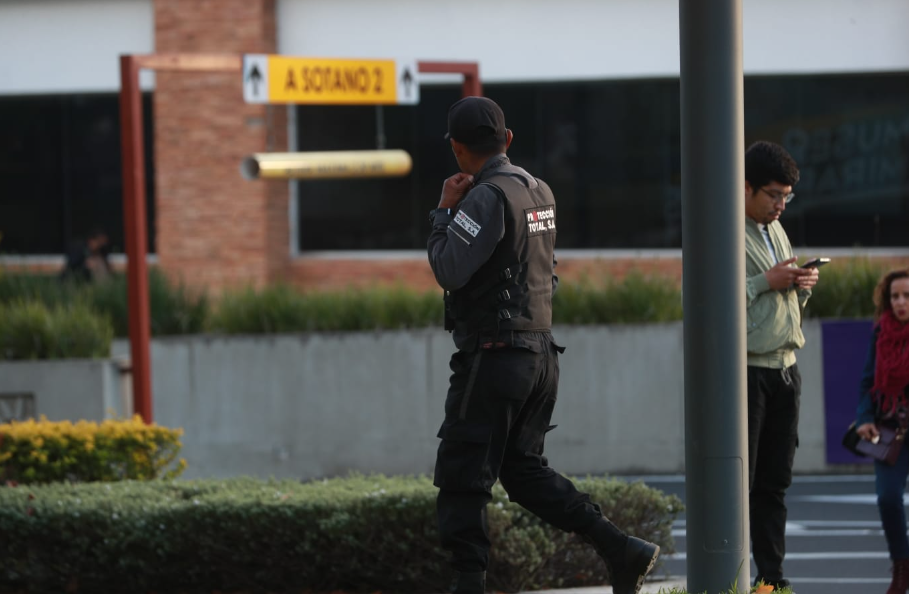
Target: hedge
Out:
[43,451]
[31,330]
[357,534]
[174,308]
[845,290]
[284,309]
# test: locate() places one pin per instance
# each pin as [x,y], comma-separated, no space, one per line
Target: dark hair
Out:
[767,162]
[95,231]
[882,292]
[486,149]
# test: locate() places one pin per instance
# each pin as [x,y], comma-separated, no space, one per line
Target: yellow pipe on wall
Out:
[327,164]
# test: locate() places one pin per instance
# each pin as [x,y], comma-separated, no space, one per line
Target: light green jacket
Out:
[774,317]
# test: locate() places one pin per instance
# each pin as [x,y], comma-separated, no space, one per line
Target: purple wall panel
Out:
[845,346]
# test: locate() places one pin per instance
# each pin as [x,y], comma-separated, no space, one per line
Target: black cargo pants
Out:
[773,419]
[497,414]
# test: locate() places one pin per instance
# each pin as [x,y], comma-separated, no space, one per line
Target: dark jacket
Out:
[866,411]
[494,255]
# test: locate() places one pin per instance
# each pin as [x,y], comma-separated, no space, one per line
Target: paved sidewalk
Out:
[649,587]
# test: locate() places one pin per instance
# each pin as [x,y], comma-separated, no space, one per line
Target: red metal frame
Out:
[134,200]
[134,223]
[470,70]
[133,163]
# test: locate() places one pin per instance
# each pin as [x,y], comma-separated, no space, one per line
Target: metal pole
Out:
[713,285]
[293,185]
[133,163]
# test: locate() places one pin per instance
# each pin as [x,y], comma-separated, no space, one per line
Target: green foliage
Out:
[845,289]
[533,555]
[116,449]
[174,308]
[49,290]
[31,330]
[284,309]
[634,299]
[357,534]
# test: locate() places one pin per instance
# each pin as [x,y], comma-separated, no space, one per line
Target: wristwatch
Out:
[437,211]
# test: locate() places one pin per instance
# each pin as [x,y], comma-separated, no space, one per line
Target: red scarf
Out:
[891,367]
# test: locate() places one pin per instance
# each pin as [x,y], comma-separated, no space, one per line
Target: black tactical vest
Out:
[513,289]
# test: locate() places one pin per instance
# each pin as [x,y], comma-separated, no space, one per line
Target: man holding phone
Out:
[776,293]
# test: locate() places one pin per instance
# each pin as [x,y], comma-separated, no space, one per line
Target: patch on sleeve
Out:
[467,223]
[540,219]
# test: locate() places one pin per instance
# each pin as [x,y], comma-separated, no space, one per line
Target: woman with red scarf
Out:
[884,394]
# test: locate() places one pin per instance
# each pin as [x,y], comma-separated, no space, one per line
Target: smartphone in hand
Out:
[816,263]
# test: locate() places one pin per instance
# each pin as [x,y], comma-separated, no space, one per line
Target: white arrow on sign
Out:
[408,82]
[255,78]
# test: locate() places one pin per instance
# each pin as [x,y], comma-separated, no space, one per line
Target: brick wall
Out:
[215,229]
[324,274]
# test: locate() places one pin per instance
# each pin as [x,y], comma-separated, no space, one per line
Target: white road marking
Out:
[813,533]
[801,524]
[819,556]
[853,499]
[802,478]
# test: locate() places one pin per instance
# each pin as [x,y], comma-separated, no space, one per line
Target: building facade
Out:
[590,89]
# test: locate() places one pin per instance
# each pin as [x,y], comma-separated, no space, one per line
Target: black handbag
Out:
[888,445]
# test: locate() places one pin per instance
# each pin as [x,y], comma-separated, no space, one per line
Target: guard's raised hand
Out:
[454,189]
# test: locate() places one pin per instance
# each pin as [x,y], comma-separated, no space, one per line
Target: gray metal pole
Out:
[713,285]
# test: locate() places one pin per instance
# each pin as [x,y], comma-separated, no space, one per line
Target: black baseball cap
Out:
[476,121]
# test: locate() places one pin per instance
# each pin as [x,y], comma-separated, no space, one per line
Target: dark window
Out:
[610,151]
[850,137]
[60,171]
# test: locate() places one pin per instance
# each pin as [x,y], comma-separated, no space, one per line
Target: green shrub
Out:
[357,534]
[284,309]
[174,308]
[634,299]
[49,290]
[42,451]
[29,330]
[845,289]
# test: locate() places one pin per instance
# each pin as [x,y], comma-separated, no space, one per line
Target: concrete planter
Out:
[66,389]
[323,404]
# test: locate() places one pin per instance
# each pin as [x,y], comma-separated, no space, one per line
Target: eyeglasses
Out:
[779,196]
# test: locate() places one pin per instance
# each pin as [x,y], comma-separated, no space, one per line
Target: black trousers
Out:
[773,418]
[497,414]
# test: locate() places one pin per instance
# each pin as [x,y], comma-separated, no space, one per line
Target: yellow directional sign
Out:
[326,81]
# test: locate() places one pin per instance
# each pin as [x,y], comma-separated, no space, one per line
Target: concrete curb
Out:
[649,587]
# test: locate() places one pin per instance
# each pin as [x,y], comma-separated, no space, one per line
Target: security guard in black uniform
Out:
[491,250]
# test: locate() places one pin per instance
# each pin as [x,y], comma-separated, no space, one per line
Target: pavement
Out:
[649,587]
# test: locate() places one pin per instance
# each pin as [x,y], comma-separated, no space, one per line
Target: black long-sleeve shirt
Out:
[462,241]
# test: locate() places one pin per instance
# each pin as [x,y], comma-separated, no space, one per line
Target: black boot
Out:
[900,582]
[629,558]
[473,582]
